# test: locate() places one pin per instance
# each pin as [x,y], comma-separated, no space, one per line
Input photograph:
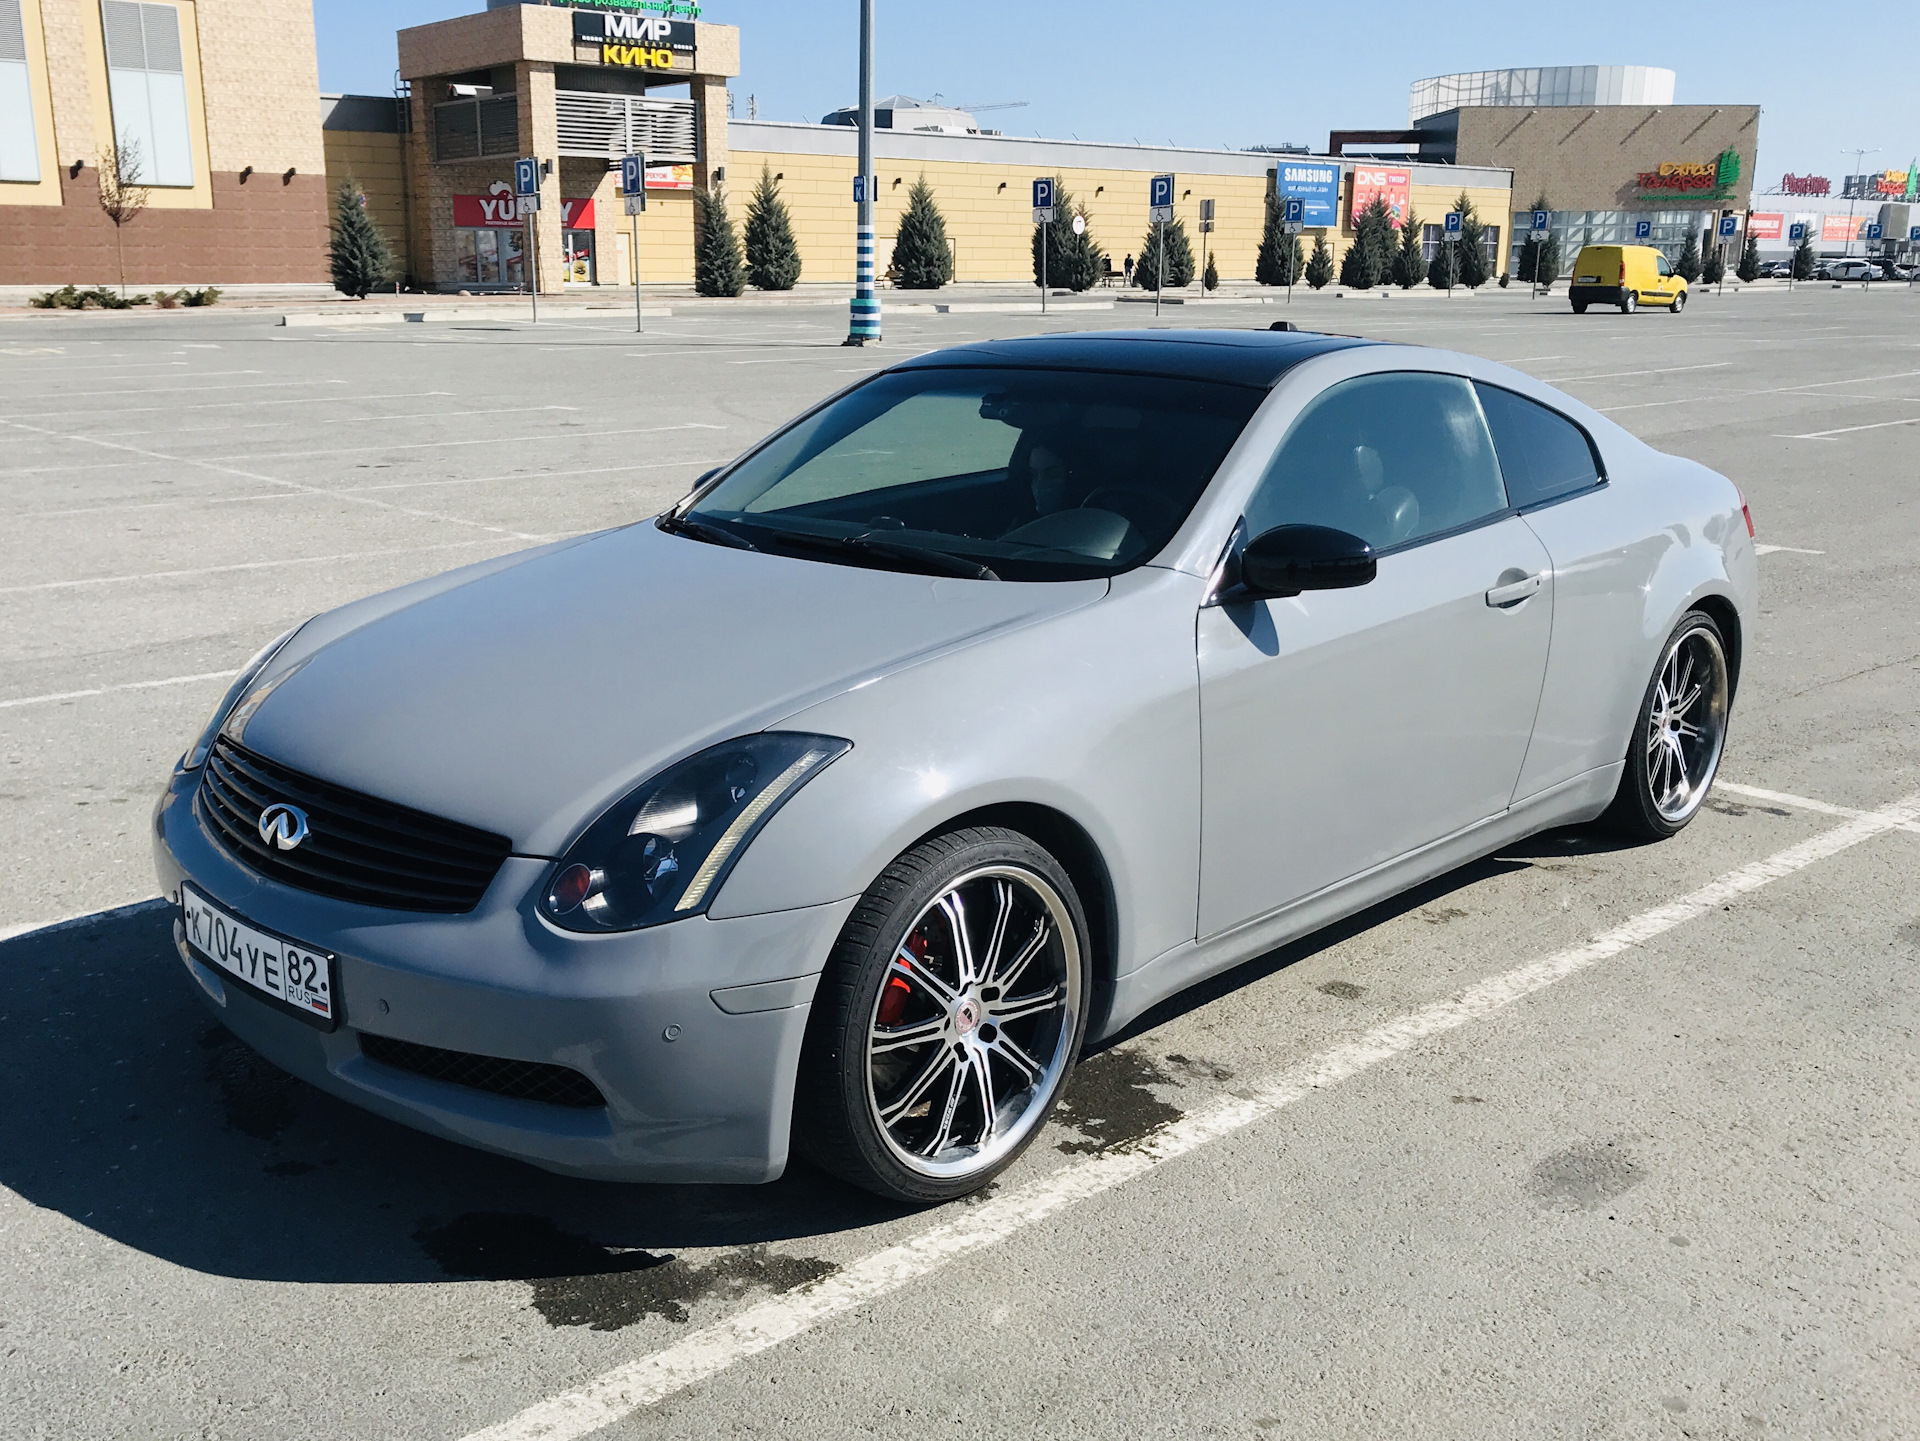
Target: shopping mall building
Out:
[1604,144]
[217,100]
[580,86]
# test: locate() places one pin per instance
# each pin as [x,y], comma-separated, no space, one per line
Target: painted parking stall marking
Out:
[653,1378]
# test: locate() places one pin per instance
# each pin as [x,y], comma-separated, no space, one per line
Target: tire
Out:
[1629,302]
[1579,307]
[1679,302]
[913,1041]
[1675,751]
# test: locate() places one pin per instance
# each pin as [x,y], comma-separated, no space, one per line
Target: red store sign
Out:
[499,210]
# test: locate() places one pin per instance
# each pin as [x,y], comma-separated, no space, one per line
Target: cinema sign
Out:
[645,42]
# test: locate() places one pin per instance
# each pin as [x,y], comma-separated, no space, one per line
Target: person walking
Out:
[1129,270]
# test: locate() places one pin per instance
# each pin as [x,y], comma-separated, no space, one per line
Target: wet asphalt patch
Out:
[1342,990]
[1110,1100]
[1585,1177]
[579,1282]
[257,1096]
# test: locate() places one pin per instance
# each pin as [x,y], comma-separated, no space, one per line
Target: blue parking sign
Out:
[1293,211]
[1874,230]
[1160,199]
[1043,193]
[1913,232]
[1729,224]
[633,175]
[1540,222]
[526,176]
[1643,230]
[1797,232]
[1453,222]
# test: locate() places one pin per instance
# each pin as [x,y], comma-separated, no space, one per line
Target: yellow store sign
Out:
[643,57]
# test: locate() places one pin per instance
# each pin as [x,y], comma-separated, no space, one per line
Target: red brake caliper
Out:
[897,992]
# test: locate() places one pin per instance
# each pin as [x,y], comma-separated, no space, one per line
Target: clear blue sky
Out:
[1241,72]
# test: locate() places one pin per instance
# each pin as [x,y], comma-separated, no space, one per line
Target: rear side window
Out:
[1543,455]
[1391,458]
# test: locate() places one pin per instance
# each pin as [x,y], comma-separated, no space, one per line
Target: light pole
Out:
[864,324]
[1859,155]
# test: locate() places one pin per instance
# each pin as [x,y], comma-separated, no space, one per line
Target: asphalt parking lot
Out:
[1583,1140]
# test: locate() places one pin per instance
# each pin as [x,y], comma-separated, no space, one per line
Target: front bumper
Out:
[691,1030]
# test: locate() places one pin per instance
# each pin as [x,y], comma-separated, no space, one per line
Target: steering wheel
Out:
[1149,513]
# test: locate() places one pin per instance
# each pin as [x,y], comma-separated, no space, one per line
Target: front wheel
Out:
[1679,302]
[1679,733]
[951,1011]
[1629,302]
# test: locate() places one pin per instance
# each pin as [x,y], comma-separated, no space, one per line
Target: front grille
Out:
[523,1080]
[357,848]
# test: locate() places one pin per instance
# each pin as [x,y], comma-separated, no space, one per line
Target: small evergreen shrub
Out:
[1688,265]
[1409,266]
[71,297]
[358,253]
[1805,262]
[1278,259]
[773,258]
[1210,279]
[922,257]
[1179,266]
[1320,263]
[1749,267]
[717,268]
[1713,267]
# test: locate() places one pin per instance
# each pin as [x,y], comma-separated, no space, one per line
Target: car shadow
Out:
[137,1115]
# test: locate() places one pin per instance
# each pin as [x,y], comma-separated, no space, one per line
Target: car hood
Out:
[526,699]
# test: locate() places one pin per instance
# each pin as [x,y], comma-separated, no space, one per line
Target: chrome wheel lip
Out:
[974,1041]
[1686,728]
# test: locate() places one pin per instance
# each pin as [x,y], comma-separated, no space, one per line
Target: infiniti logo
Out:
[283,826]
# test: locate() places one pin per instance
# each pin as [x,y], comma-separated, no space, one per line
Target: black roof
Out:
[1234,357]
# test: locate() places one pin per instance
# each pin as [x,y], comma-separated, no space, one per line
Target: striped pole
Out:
[864,324]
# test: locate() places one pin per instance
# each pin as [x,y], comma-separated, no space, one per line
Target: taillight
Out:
[1745,513]
[1623,272]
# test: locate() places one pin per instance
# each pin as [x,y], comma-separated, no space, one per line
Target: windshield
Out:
[1031,474]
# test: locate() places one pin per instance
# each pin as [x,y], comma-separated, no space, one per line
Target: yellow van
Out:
[1628,276]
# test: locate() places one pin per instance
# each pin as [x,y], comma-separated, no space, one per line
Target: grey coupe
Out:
[993,700]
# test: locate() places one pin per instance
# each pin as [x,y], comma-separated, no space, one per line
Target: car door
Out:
[1343,728]
[1667,285]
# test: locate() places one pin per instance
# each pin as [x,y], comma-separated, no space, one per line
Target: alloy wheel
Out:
[1686,723]
[974,1025]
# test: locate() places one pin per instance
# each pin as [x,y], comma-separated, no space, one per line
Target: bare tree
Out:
[122,196]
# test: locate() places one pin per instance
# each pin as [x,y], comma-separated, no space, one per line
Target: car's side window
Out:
[1665,268]
[1543,455]
[1390,458]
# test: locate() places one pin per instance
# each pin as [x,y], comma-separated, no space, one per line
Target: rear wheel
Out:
[1679,302]
[1679,733]
[1579,307]
[951,1011]
[1629,302]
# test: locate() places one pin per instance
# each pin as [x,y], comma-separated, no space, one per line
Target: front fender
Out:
[1093,714]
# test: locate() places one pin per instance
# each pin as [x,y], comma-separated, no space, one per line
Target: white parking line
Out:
[584,433]
[1789,549]
[712,1349]
[1802,803]
[111,689]
[1850,429]
[1616,374]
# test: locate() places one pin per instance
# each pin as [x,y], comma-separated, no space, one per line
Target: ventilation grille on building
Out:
[141,37]
[13,32]
[605,126]
[469,129]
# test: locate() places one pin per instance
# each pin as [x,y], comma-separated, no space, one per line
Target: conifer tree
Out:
[716,248]
[1409,257]
[1804,260]
[1278,261]
[1749,268]
[1320,263]
[1540,258]
[1369,259]
[1146,273]
[922,258]
[1713,267]
[1688,265]
[1210,279]
[358,252]
[773,259]
[1471,262]
[1073,261]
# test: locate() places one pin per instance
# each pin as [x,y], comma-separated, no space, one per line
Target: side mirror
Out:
[1291,558]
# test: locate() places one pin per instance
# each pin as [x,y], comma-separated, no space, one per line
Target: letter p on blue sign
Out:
[1453,222]
[526,176]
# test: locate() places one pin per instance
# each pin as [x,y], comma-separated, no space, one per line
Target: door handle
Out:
[1513,592]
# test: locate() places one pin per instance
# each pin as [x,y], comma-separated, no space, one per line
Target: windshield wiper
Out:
[921,557]
[700,530]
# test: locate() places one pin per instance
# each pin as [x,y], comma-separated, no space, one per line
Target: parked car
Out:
[1851,270]
[1627,276]
[1776,270]
[986,705]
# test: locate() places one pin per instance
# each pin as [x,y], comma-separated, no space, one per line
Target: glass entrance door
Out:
[580,265]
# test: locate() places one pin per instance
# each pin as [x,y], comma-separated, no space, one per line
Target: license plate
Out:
[297,977]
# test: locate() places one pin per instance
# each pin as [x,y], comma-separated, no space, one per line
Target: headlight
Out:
[664,851]
[197,756]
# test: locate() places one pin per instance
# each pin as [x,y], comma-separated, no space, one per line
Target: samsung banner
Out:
[1316,187]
